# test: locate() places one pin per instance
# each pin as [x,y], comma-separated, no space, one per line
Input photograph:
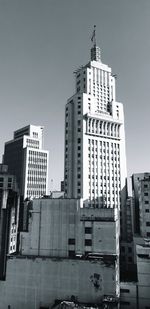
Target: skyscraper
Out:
[95,159]
[27,160]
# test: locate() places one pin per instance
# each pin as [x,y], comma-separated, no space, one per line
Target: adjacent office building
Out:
[28,161]
[95,159]
[141,205]
[9,216]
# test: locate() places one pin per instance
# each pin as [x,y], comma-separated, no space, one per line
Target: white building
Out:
[95,159]
[27,160]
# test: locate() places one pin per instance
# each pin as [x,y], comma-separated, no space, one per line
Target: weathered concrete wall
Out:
[143,268]
[31,282]
[128,295]
[55,222]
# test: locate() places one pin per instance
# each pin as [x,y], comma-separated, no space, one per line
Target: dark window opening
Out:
[88,242]
[71,241]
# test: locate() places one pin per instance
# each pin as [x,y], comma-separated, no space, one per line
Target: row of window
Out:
[36,186]
[9,179]
[101,77]
[37,166]
[87,242]
[8,186]
[36,179]
[35,193]
[36,172]
[102,131]
[37,153]
[37,160]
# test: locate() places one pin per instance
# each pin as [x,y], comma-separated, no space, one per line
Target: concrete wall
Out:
[32,282]
[128,295]
[60,226]
[143,267]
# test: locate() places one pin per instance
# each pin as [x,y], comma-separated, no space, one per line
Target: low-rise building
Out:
[9,216]
[67,251]
[143,272]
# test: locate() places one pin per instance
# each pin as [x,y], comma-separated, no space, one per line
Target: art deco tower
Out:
[95,160]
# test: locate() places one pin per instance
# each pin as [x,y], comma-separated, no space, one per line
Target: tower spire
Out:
[93,37]
[95,50]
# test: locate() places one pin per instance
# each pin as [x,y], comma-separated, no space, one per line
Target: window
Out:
[146,194]
[143,256]
[71,253]
[122,302]
[71,241]
[123,249]
[130,259]
[88,230]
[146,202]
[148,223]
[146,210]
[88,242]
[124,291]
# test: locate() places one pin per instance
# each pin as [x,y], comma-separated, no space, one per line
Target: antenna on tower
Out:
[93,37]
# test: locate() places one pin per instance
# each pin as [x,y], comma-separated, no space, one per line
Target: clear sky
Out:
[43,41]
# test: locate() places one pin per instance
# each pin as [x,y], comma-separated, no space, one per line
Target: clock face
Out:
[96,281]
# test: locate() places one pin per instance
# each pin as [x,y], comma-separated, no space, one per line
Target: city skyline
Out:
[39,52]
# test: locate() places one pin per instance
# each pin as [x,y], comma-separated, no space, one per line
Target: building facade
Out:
[27,160]
[141,204]
[67,252]
[67,229]
[95,159]
[9,216]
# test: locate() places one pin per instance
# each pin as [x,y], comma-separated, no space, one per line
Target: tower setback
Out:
[95,159]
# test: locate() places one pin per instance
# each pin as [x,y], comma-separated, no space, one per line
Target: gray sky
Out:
[43,41]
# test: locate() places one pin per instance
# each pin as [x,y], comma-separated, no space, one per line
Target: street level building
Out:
[95,159]
[27,160]
[68,252]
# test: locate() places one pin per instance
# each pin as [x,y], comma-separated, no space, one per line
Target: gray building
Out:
[69,252]
[9,216]
[27,160]
[141,204]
